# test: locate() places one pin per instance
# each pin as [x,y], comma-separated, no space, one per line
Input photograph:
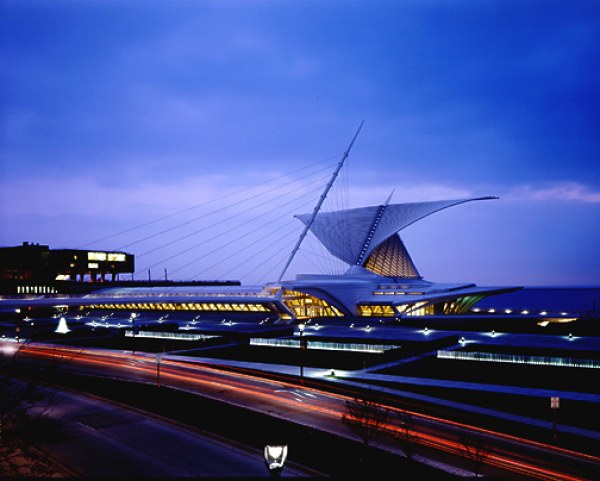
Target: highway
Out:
[101,439]
[438,440]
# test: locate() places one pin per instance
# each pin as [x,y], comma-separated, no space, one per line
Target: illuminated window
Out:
[92,265]
[460,305]
[420,309]
[116,257]
[305,306]
[96,256]
[376,310]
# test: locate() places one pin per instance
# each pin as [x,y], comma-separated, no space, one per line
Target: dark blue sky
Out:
[114,112]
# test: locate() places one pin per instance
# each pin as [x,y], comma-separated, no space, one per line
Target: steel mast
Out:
[319,203]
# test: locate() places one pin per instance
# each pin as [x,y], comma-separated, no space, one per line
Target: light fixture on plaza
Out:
[275,457]
[493,333]
[426,330]
[62,326]
[462,340]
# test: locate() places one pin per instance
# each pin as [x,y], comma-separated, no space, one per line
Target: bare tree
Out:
[406,438]
[474,449]
[366,419]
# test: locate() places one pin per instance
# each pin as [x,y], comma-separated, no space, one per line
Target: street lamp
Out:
[302,349]
[554,405]
[133,317]
[275,457]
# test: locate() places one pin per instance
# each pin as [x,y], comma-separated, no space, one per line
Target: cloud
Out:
[567,191]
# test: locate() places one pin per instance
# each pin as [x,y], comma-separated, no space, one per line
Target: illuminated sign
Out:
[96,256]
[93,265]
[116,257]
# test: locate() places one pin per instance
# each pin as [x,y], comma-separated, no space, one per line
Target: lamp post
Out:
[302,349]
[133,317]
[554,405]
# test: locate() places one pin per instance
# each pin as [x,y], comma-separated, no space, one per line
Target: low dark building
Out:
[35,268]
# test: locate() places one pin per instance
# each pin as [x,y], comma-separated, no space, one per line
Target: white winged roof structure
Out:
[382,280]
[353,235]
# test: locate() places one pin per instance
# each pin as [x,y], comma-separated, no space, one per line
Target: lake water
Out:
[572,299]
